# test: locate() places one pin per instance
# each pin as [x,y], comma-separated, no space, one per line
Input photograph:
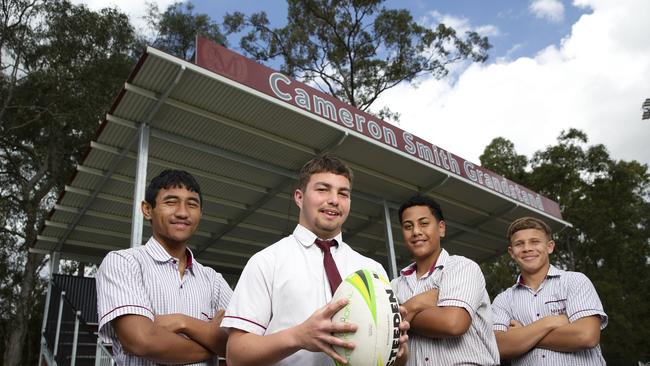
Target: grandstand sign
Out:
[240,69]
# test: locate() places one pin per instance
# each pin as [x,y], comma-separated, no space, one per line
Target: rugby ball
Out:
[373,307]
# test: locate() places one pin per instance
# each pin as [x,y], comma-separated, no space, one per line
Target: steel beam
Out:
[390,246]
[140,184]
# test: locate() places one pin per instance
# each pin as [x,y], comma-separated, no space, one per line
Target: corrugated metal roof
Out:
[240,145]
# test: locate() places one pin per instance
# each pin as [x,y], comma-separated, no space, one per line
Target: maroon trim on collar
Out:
[520,281]
[188,254]
[408,270]
[433,266]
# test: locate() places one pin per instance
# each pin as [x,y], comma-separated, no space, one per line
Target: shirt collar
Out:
[552,272]
[440,263]
[307,238]
[158,253]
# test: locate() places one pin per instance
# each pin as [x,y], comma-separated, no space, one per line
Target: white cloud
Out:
[594,80]
[551,10]
[508,56]
[460,24]
[134,9]
[488,30]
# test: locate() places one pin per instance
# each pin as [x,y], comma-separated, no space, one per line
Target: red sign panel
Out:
[245,71]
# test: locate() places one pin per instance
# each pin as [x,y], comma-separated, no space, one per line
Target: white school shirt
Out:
[561,292]
[285,283]
[460,283]
[145,281]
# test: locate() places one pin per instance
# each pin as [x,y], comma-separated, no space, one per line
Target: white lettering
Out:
[324,108]
[389,137]
[408,140]
[436,155]
[469,171]
[346,118]
[274,79]
[360,120]
[374,129]
[488,182]
[424,152]
[302,99]
[538,200]
[453,164]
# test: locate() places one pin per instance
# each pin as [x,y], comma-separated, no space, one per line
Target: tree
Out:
[608,203]
[176,29]
[63,66]
[354,50]
[500,156]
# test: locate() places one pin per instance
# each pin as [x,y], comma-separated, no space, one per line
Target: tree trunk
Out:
[14,351]
[24,303]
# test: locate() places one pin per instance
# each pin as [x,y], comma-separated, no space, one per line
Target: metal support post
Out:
[140,183]
[45,315]
[98,352]
[390,246]
[58,324]
[75,339]
[54,268]
[55,258]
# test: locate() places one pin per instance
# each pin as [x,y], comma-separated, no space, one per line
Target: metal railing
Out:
[67,339]
[102,356]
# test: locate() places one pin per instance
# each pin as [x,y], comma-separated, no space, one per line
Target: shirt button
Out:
[426,358]
[543,356]
[537,314]
[181,286]
[535,295]
[174,261]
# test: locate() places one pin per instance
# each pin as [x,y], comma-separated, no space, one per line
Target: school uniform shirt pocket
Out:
[555,305]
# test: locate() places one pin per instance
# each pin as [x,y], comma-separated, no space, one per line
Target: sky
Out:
[554,65]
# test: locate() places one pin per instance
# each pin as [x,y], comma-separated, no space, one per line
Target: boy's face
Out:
[530,249]
[421,231]
[175,217]
[324,204]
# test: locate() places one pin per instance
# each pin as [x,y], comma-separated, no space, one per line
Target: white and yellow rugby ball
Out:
[373,307]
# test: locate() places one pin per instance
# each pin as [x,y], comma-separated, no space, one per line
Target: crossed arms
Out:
[461,290]
[551,332]
[172,338]
[431,320]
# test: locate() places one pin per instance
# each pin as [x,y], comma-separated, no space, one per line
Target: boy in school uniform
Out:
[445,296]
[281,309]
[157,303]
[549,316]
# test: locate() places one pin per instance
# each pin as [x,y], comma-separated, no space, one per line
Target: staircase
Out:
[69,336]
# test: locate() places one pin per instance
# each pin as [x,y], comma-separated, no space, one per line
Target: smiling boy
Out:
[281,307]
[549,316]
[157,303]
[448,306]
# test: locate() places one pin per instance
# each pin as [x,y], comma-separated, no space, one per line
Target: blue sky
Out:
[555,65]
[518,31]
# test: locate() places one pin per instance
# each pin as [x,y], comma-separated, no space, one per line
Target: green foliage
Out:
[354,50]
[500,273]
[608,202]
[177,28]
[500,156]
[63,65]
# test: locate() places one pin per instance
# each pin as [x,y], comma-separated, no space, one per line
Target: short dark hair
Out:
[528,222]
[325,163]
[419,200]
[171,178]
